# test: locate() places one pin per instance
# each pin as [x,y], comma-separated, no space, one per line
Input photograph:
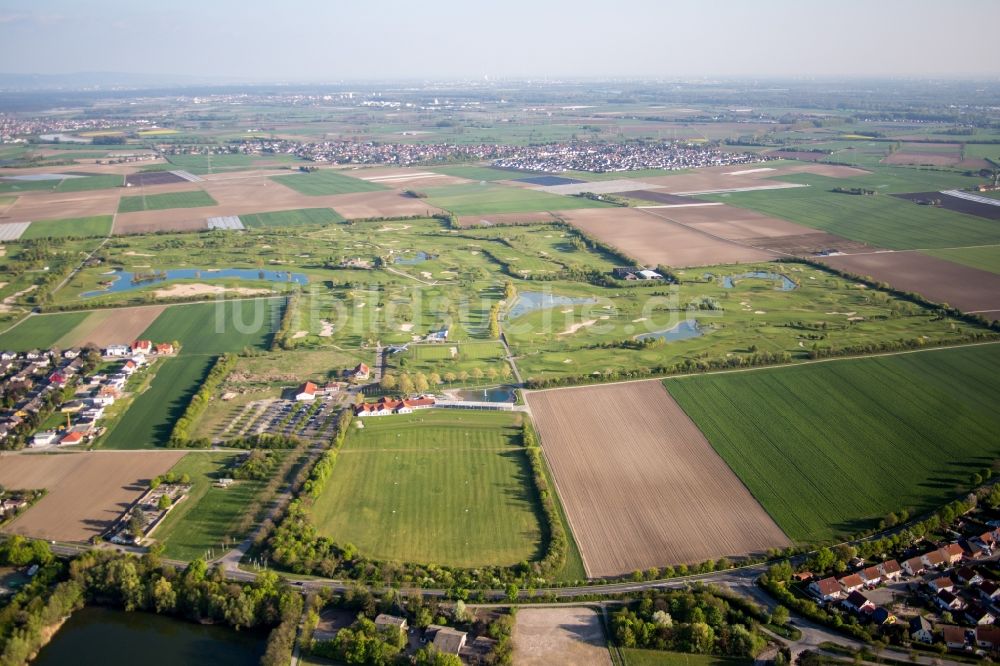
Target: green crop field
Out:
[201,164]
[292,218]
[437,486]
[207,515]
[326,181]
[881,220]
[488,174]
[40,331]
[986,257]
[150,418]
[79,227]
[190,199]
[641,657]
[480,199]
[216,328]
[831,448]
[7,186]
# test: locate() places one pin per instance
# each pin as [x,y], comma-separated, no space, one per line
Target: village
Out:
[939,594]
[58,398]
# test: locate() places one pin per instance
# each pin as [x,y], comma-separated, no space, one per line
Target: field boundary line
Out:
[793,364]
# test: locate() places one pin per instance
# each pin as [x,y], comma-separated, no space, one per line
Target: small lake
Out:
[110,637]
[687,329]
[412,260]
[529,301]
[786,283]
[63,138]
[126,280]
[495,394]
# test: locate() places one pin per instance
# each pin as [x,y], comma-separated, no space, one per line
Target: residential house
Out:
[953,553]
[954,637]
[914,566]
[827,589]
[858,603]
[988,637]
[977,614]
[44,438]
[360,373]
[8,356]
[71,438]
[142,346]
[935,558]
[70,353]
[948,601]
[448,640]
[383,620]
[921,630]
[305,392]
[852,583]
[968,576]
[163,348]
[942,584]
[872,576]
[989,591]
[891,570]
[117,350]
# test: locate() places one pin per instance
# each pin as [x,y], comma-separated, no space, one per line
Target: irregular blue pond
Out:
[685,330]
[529,301]
[127,281]
[786,283]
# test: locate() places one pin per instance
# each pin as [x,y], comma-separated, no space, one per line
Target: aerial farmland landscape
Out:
[442,334]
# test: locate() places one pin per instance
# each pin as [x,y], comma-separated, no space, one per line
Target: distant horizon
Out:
[316,42]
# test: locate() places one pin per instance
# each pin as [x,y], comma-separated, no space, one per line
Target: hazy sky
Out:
[335,40]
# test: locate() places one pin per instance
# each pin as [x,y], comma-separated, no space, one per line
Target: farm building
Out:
[388,406]
[305,392]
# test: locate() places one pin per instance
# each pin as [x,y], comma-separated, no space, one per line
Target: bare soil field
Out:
[658,197]
[405,177]
[968,289]
[716,179]
[570,635]
[809,244]
[358,205]
[641,485]
[87,492]
[111,327]
[828,170]
[597,187]
[59,206]
[138,223]
[730,223]
[934,159]
[507,218]
[654,240]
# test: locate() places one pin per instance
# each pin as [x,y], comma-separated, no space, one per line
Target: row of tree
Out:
[180,436]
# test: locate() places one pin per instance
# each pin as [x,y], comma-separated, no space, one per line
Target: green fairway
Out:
[207,515]
[480,199]
[79,227]
[292,218]
[326,181]
[438,486]
[831,448]
[150,418]
[216,328]
[40,331]
[881,220]
[985,257]
[191,199]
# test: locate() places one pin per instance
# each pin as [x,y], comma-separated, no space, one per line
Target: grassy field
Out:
[489,174]
[150,418]
[80,227]
[216,328]
[831,448]
[443,487]
[640,657]
[479,199]
[90,183]
[40,332]
[191,199]
[326,181]
[985,258]
[881,220]
[292,218]
[208,515]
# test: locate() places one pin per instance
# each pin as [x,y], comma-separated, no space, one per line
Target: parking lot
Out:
[314,421]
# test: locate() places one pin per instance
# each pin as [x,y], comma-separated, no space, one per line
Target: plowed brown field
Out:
[111,327]
[641,485]
[87,492]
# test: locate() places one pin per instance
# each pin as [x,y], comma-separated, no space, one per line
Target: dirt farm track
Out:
[87,491]
[641,485]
